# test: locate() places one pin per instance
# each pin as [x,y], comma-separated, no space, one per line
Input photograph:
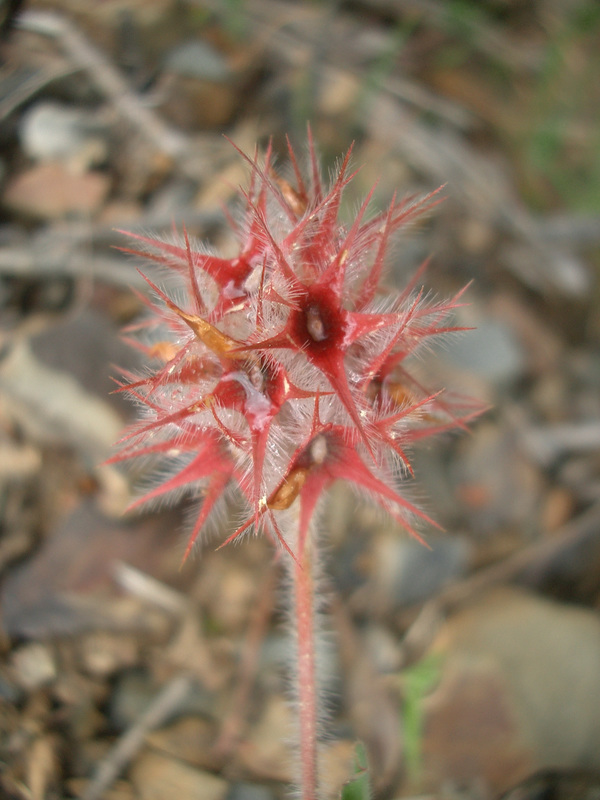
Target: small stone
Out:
[192,103]
[53,191]
[558,509]
[133,693]
[121,790]
[34,666]
[157,777]
[198,59]
[406,573]
[336,765]
[68,586]
[519,690]
[476,235]
[234,597]
[104,654]
[42,767]
[498,486]
[191,739]
[494,354]
[339,92]
[249,791]
[228,593]
[384,648]
[120,213]
[202,86]
[471,731]
[266,754]
[10,693]
[56,132]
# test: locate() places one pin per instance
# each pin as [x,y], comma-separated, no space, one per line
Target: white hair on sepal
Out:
[161,473]
[173,291]
[273,318]
[239,450]
[287,173]
[237,323]
[306,375]
[280,448]
[145,242]
[171,275]
[174,238]
[281,284]
[151,335]
[361,353]
[173,396]
[427,313]
[242,458]
[240,517]
[277,454]
[155,438]
[218,520]
[280,224]
[387,511]
[284,359]
[163,384]
[386,303]
[270,362]
[395,465]
[297,428]
[166,273]
[281,445]
[365,241]
[136,432]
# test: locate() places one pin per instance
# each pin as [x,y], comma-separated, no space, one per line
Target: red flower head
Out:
[286,368]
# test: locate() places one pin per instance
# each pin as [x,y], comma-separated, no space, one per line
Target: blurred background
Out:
[464,669]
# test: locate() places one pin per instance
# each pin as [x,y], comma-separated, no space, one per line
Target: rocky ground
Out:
[465,669]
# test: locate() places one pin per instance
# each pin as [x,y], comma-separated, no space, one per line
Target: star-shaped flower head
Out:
[287,367]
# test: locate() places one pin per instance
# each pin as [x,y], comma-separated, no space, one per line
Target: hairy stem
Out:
[306,671]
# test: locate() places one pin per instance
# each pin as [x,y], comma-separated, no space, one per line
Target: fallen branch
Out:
[169,700]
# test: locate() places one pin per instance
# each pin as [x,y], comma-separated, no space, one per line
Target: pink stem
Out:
[306,676]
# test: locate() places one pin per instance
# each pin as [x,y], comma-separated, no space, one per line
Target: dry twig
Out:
[524,567]
[169,700]
[193,157]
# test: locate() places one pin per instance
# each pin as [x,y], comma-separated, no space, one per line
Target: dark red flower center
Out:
[319,324]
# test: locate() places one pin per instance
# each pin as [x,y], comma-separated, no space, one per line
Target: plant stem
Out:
[306,673]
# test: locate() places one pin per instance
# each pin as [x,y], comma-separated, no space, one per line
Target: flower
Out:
[286,368]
